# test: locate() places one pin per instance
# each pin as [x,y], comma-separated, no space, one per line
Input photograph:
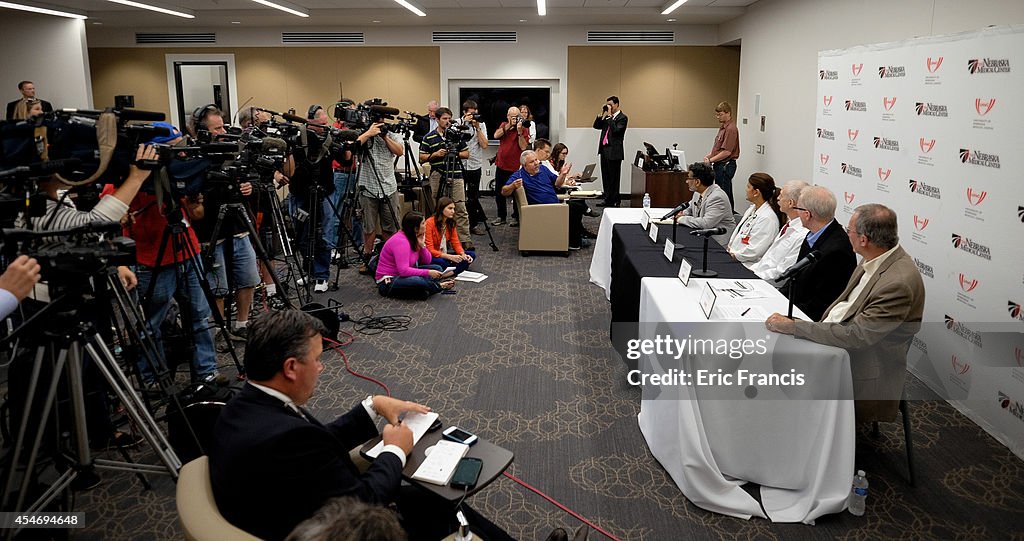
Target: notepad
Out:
[440,464]
[470,276]
[419,423]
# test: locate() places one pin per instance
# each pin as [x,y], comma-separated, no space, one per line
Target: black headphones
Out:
[199,116]
[312,111]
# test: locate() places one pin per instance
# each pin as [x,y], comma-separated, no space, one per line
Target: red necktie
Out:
[784,228]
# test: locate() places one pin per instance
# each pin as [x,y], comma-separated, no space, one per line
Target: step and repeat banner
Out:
[934,128]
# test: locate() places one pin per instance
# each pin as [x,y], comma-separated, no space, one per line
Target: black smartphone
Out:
[467,472]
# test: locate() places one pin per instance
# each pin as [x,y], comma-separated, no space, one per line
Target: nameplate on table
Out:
[670,249]
[684,271]
[645,219]
[653,233]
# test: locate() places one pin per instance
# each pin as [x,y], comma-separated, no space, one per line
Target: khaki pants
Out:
[458,194]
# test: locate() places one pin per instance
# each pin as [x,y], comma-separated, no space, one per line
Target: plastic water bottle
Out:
[647,200]
[858,493]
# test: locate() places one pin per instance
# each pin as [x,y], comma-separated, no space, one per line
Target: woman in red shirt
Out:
[443,241]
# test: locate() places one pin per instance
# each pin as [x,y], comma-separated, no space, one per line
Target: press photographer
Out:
[472,168]
[377,185]
[312,183]
[445,148]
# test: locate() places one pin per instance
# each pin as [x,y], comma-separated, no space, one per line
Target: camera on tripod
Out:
[456,136]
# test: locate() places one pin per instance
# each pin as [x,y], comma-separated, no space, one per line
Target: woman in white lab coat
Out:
[760,223]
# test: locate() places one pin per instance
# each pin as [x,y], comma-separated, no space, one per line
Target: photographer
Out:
[204,124]
[378,187]
[345,166]
[513,138]
[472,167]
[312,183]
[435,148]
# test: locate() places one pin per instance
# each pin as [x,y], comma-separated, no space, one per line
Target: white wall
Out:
[780,40]
[49,51]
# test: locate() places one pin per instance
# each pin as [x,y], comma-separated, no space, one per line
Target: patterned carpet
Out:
[523,360]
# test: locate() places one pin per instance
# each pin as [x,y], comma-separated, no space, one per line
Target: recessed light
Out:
[236,22]
[375,21]
[96,22]
[670,20]
[522,20]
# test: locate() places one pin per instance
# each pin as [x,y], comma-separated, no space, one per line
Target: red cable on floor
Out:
[335,345]
[560,506]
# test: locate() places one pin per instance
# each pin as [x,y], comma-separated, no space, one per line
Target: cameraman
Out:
[435,149]
[16,283]
[472,168]
[378,187]
[344,166]
[513,139]
[208,122]
[311,186]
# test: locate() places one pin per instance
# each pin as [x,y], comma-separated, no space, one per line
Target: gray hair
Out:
[245,117]
[877,223]
[819,201]
[349,519]
[793,188]
[522,157]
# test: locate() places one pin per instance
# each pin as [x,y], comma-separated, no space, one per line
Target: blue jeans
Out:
[461,266]
[204,358]
[724,171]
[339,203]
[410,287]
[321,255]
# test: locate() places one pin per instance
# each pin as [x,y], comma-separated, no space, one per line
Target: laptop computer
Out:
[588,173]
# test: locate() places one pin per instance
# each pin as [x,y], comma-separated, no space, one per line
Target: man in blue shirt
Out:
[540,185]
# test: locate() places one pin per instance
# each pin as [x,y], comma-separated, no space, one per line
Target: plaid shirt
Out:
[383,161]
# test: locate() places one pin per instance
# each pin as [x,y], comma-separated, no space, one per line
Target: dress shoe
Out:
[558,534]
[588,234]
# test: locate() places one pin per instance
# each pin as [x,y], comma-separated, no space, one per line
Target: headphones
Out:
[199,116]
[312,111]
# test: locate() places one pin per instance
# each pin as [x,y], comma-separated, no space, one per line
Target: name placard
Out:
[645,220]
[684,271]
[654,233]
[670,250]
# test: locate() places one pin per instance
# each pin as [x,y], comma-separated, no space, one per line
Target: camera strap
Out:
[106,141]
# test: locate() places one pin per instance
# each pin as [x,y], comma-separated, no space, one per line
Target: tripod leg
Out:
[19,440]
[196,268]
[51,396]
[261,253]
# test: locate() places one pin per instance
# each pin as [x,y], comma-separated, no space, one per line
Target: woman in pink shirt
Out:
[404,269]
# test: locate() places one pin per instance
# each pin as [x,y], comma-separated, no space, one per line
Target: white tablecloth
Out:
[601,263]
[800,451]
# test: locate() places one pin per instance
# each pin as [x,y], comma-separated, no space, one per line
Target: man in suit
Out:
[28,92]
[612,123]
[709,207]
[426,124]
[875,317]
[273,464]
[822,281]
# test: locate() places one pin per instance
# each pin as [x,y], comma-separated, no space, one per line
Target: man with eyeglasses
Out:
[821,282]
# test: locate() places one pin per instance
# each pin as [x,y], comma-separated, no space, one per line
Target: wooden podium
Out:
[667,188]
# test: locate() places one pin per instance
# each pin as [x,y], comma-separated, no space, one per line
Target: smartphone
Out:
[457,434]
[467,472]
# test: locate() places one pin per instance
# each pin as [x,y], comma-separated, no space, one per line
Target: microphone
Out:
[42,168]
[273,143]
[275,113]
[382,110]
[294,118]
[682,206]
[800,265]
[417,116]
[146,116]
[344,135]
[708,232]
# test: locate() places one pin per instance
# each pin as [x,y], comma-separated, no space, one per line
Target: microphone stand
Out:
[675,224]
[792,292]
[704,272]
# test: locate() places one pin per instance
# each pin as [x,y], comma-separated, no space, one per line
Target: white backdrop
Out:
[934,128]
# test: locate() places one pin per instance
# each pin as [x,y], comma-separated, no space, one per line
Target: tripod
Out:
[451,163]
[66,345]
[344,213]
[366,158]
[279,227]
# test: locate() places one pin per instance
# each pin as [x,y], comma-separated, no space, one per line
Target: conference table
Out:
[796,441]
[601,261]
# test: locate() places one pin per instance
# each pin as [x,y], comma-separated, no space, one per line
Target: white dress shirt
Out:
[754,234]
[838,312]
[782,254]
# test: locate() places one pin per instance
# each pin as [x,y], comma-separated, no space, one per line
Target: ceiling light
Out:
[672,7]
[522,20]
[285,7]
[44,11]
[375,21]
[236,22]
[670,20]
[542,7]
[411,8]
[177,13]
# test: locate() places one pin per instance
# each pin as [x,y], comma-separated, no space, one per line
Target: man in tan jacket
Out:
[875,317]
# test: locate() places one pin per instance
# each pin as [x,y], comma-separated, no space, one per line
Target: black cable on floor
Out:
[370,324]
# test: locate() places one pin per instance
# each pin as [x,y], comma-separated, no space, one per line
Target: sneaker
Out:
[240,332]
[468,246]
[498,221]
[513,222]
[276,302]
[335,255]
[217,379]
[320,287]
[478,230]
[571,247]
[230,335]
[300,281]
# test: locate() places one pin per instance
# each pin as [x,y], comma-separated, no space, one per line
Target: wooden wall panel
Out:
[593,74]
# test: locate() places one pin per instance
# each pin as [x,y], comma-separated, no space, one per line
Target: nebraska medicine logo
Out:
[983,106]
[1020,213]
[960,368]
[890,72]
[920,223]
[851,170]
[883,143]
[933,65]
[883,174]
[1011,406]
[856,106]
[975,198]
[967,284]
[975,157]
[931,109]
[852,134]
[926,145]
[849,196]
[824,159]
[965,244]
[826,134]
[920,188]
[888,102]
[963,331]
[828,75]
[1015,312]
[978,66]
[827,100]
[924,268]
[855,69]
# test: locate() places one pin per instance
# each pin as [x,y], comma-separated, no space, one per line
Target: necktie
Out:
[604,140]
[784,228]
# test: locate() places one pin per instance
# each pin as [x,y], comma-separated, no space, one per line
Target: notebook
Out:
[441,461]
[419,423]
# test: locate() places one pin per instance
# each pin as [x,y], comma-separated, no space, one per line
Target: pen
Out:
[745,312]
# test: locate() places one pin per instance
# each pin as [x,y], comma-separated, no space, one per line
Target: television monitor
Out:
[679,162]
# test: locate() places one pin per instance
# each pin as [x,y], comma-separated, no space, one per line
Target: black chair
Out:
[908,438]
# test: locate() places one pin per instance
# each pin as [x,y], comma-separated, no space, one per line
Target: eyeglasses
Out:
[801,209]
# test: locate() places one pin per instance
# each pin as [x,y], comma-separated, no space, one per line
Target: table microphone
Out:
[708,232]
[682,206]
[800,265]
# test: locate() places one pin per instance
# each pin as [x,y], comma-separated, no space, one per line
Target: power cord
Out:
[336,346]
[371,325]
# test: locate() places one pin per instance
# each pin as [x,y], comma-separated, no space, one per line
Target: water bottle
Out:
[647,200]
[858,493]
